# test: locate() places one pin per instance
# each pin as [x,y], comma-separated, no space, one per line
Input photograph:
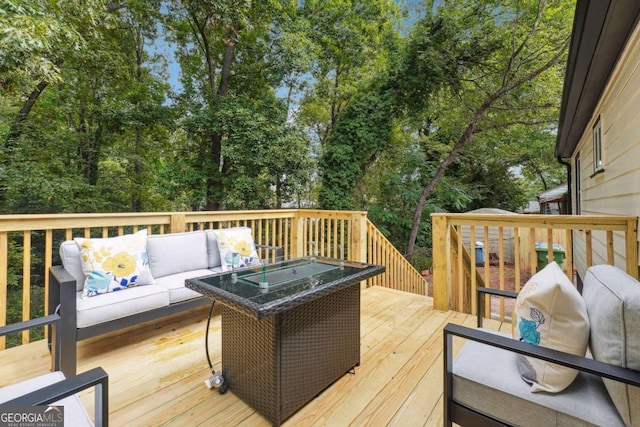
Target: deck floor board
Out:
[157,371]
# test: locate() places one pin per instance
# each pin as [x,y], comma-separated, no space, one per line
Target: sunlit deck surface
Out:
[157,371]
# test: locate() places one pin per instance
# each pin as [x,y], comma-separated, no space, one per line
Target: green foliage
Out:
[14,312]
[360,136]
[280,103]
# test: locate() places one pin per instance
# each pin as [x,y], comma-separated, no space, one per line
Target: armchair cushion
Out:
[500,392]
[613,303]
[73,409]
[115,263]
[550,312]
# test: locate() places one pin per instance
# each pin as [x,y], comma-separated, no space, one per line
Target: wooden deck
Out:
[157,371]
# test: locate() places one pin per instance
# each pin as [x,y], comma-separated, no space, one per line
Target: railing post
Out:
[631,242]
[358,236]
[440,238]
[297,235]
[177,224]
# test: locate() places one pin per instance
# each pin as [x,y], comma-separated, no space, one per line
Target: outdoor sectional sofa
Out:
[172,258]
[483,385]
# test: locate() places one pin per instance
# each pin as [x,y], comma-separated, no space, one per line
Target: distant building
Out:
[533,207]
[554,201]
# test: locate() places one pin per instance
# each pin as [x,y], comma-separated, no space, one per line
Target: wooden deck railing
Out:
[29,243]
[508,252]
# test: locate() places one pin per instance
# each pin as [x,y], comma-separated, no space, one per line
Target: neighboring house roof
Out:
[494,211]
[600,31]
[553,194]
[533,206]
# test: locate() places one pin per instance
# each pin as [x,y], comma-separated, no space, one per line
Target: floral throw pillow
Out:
[237,249]
[113,264]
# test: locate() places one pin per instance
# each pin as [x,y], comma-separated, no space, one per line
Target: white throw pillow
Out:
[550,312]
[115,263]
[237,249]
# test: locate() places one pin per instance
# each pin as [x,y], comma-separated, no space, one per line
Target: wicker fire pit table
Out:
[289,329]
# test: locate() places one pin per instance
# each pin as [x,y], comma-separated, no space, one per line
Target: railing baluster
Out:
[501,267]
[610,247]
[589,248]
[4,251]
[516,258]
[26,282]
[474,282]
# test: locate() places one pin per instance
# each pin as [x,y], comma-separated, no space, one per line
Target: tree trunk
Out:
[21,117]
[426,191]
[215,176]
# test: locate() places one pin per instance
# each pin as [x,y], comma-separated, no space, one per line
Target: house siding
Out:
[616,191]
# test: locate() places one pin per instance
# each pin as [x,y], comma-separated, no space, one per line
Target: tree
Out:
[520,43]
[352,41]
[36,39]
[225,50]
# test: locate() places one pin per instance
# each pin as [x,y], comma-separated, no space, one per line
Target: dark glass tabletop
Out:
[267,289]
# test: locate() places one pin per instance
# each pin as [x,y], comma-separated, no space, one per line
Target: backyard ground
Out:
[494,274]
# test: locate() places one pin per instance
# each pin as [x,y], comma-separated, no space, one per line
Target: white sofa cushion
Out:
[74,412]
[115,305]
[613,303]
[174,283]
[177,252]
[213,252]
[70,257]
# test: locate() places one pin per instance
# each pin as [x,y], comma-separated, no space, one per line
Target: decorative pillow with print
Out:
[114,264]
[550,312]
[237,249]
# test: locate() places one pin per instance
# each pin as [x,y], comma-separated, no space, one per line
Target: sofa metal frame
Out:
[62,299]
[96,377]
[455,412]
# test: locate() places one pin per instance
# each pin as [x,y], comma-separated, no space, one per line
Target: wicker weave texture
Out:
[320,342]
[249,360]
[279,363]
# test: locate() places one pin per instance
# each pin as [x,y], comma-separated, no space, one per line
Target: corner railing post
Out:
[631,238]
[358,236]
[440,238]
[297,235]
[178,221]
[358,239]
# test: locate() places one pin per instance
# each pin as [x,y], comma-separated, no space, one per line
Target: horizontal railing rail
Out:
[504,251]
[29,244]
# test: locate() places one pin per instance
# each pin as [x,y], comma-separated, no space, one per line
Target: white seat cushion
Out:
[487,379]
[74,413]
[114,305]
[174,283]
